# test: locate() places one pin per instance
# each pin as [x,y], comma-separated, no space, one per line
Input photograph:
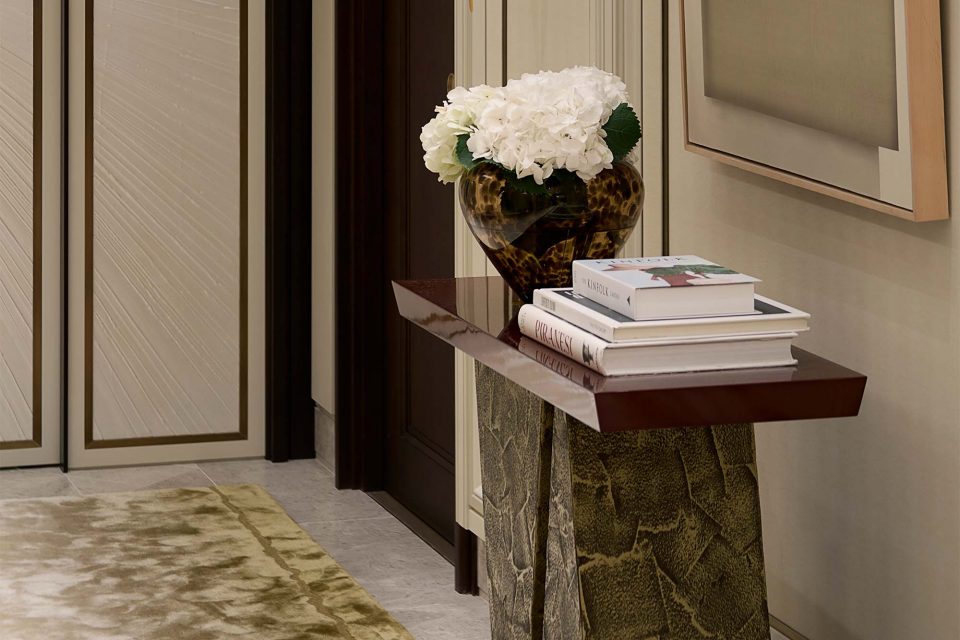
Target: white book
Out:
[665,287]
[655,356]
[770,317]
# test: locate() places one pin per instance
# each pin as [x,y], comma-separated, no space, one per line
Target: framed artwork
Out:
[843,97]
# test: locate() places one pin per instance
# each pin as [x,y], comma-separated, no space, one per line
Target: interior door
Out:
[29,233]
[166,253]
[419,57]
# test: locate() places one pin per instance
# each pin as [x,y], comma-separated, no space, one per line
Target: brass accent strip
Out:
[38,222]
[19,444]
[37,123]
[88,223]
[149,441]
[505,36]
[244,200]
[241,434]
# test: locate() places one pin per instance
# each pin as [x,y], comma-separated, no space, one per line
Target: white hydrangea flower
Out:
[454,118]
[533,126]
[439,142]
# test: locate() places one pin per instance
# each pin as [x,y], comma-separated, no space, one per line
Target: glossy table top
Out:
[478,316]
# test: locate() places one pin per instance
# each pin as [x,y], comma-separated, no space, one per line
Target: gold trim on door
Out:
[37,123]
[241,434]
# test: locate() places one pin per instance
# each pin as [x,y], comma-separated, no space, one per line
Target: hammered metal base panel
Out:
[515,445]
[655,535]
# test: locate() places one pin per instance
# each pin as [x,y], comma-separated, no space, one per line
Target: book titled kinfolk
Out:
[655,356]
[665,287]
[769,316]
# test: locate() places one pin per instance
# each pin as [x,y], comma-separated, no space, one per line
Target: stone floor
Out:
[408,578]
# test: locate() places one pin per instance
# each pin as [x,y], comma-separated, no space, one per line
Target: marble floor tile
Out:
[288,476]
[297,478]
[171,476]
[399,574]
[304,488]
[389,560]
[406,576]
[465,619]
[365,537]
[47,482]
[396,566]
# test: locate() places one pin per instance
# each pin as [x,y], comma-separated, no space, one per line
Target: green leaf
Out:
[526,185]
[463,153]
[623,131]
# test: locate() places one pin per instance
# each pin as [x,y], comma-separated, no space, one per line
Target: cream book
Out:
[655,356]
[769,316]
[665,287]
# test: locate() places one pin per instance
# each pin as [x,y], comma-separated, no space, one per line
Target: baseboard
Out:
[483,578]
[325,436]
[785,629]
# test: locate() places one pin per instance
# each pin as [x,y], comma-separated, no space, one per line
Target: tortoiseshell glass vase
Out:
[532,238]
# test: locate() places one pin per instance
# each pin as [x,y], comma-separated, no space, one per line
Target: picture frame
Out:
[841,97]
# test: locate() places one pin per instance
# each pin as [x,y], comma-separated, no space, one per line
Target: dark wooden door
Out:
[418,217]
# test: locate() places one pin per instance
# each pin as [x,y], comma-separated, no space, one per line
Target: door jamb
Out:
[360,245]
[289,59]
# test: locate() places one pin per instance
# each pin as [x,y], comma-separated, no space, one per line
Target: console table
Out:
[623,507]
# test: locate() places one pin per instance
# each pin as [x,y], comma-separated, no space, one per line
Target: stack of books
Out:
[628,316]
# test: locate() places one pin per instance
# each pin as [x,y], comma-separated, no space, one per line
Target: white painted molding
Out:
[624,38]
[471,41]
[646,19]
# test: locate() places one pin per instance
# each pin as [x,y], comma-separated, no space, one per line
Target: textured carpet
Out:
[192,564]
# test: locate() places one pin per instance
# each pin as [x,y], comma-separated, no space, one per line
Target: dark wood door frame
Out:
[361,250]
[360,242]
[289,87]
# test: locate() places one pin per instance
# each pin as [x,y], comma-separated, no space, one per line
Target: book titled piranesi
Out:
[665,287]
[637,357]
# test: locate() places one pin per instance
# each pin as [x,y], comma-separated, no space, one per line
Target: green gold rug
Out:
[191,564]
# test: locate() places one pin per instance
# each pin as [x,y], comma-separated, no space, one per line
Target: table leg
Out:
[515,448]
[654,535]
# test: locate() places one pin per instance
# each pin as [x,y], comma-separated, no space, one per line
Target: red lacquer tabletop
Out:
[477,316]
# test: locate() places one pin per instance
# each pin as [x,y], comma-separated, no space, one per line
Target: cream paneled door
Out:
[29,233]
[166,257]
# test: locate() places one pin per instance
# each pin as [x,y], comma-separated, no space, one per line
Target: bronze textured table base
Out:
[651,534]
[515,449]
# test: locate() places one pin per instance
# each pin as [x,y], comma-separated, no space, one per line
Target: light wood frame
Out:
[926,118]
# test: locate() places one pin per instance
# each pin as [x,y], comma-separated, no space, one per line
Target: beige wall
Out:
[547,35]
[861,516]
[323,203]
